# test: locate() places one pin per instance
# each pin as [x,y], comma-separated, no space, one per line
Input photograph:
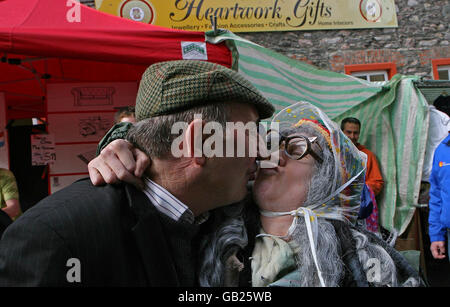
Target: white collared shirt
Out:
[169,205]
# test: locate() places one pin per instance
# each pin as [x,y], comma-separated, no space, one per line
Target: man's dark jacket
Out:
[114,231]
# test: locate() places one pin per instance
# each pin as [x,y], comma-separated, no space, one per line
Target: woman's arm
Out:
[119,161]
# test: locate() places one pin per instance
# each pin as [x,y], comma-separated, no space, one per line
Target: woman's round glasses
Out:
[295,146]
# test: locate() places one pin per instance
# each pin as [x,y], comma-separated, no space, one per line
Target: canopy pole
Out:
[214,24]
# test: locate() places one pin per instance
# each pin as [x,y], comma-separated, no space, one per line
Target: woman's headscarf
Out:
[350,163]
[348,182]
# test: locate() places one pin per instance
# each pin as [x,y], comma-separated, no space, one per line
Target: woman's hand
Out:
[119,161]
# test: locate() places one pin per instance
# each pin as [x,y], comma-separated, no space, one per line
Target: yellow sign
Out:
[256,15]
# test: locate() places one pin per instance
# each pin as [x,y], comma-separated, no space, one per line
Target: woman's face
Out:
[285,187]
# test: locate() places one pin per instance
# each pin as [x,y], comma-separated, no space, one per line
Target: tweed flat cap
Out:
[174,86]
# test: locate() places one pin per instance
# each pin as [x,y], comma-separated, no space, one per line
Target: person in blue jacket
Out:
[439,218]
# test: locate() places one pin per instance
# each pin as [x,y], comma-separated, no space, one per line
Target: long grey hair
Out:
[328,249]
[340,249]
[229,236]
[231,233]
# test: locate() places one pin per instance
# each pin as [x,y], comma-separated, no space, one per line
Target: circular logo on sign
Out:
[137,14]
[370,10]
[137,10]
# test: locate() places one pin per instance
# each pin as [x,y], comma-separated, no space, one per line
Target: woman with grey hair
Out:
[298,228]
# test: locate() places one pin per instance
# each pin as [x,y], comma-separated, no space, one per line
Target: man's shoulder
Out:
[365,150]
[80,202]
[92,224]
[444,145]
[442,152]
[85,189]
[442,158]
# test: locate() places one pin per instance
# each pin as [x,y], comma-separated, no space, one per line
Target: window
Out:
[372,76]
[443,72]
[441,69]
[376,72]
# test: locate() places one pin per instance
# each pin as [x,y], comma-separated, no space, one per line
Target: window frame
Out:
[436,63]
[370,73]
[389,67]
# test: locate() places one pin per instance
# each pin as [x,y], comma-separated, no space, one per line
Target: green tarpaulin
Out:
[394,116]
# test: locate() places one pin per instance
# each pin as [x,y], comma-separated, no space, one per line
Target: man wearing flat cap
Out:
[117,235]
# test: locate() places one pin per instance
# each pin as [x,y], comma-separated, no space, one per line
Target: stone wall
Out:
[423,34]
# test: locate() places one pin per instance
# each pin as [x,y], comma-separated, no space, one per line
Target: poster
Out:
[83,97]
[79,115]
[59,182]
[73,158]
[80,127]
[42,149]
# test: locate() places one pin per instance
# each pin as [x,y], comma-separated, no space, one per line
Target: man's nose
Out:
[262,153]
[282,158]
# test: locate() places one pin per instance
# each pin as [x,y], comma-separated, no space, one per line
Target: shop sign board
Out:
[256,15]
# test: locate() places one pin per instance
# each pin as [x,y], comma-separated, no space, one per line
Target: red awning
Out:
[39,44]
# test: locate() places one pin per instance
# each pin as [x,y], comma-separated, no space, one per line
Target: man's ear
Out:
[193,140]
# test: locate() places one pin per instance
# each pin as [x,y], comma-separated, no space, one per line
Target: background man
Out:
[125,114]
[118,235]
[351,127]
[439,218]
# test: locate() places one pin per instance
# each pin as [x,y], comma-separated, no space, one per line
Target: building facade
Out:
[418,46]
[420,43]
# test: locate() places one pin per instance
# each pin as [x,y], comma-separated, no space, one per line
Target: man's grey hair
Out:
[154,135]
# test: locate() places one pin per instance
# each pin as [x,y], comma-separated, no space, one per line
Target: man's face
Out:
[230,175]
[352,132]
